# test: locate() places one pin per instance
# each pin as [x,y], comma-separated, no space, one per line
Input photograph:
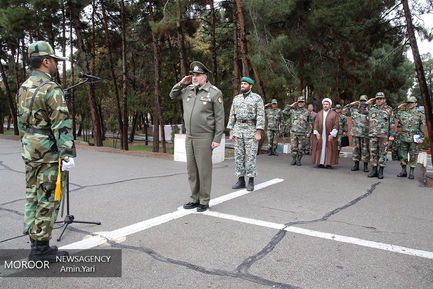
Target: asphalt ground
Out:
[303,227]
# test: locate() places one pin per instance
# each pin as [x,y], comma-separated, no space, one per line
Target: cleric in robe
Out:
[325,143]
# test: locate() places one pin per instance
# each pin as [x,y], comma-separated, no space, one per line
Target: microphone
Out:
[88,76]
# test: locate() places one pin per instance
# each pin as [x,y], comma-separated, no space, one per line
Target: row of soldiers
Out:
[373,128]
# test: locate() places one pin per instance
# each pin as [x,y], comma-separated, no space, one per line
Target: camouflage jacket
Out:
[381,121]
[247,115]
[342,124]
[301,122]
[46,132]
[275,118]
[359,120]
[410,124]
[203,110]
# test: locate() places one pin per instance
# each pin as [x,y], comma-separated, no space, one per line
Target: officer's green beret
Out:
[301,98]
[198,67]
[43,48]
[380,95]
[274,101]
[337,106]
[247,79]
[412,99]
[363,97]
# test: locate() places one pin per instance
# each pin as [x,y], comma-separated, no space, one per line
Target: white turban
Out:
[328,100]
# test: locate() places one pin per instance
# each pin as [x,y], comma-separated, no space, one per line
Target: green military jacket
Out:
[411,123]
[381,121]
[359,119]
[300,118]
[275,118]
[342,124]
[247,115]
[46,131]
[203,110]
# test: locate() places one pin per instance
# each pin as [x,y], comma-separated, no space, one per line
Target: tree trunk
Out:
[180,42]
[124,79]
[11,103]
[85,67]
[23,55]
[245,69]
[258,81]
[213,43]
[112,74]
[420,74]
[236,78]
[64,44]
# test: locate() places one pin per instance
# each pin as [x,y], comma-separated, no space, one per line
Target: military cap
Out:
[198,67]
[43,48]
[412,99]
[247,79]
[274,101]
[380,95]
[337,106]
[301,98]
[363,97]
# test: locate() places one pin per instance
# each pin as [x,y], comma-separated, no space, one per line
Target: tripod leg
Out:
[63,231]
[85,222]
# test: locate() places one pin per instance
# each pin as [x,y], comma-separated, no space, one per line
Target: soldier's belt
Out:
[33,130]
[250,121]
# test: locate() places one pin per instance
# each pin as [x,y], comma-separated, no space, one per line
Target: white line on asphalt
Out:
[101,238]
[329,236]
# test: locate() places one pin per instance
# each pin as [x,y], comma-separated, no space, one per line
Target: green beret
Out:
[363,97]
[247,79]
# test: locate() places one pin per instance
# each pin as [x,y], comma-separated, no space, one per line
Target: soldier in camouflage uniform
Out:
[309,140]
[45,130]
[358,110]
[380,130]
[342,130]
[301,127]
[275,119]
[246,122]
[411,122]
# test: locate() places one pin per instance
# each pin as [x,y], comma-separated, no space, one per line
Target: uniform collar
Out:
[205,87]
[41,73]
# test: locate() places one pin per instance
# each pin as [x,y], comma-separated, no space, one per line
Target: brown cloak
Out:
[331,154]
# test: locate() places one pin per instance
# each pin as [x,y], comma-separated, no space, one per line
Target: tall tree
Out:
[213,43]
[243,39]
[124,80]
[11,102]
[236,77]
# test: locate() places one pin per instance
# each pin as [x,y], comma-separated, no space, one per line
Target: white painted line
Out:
[101,238]
[329,236]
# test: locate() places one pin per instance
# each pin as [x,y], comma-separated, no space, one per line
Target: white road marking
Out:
[323,235]
[120,233]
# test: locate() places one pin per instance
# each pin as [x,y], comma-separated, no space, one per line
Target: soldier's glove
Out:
[67,165]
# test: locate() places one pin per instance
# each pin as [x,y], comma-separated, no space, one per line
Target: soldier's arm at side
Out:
[218,106]
[260,118]
[391,126]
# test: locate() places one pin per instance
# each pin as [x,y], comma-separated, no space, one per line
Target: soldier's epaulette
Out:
[214,87]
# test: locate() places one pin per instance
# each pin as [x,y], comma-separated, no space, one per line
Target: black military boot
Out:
[250,186]
[293,160]
[373,172]
[270,152]
[356,166]
[380,174]
[240,184]
[411,177]
[41,251]
[33,244]
[298,160]
[403,172]
[365,167]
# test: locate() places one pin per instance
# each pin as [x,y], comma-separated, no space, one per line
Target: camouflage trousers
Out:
[412,149]
[245,157]
[395,148]
[378,151]
[272,138]
[360,149]
[308,144]
[41,210]
[297,145]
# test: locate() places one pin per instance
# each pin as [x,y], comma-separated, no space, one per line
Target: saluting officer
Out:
[204,121]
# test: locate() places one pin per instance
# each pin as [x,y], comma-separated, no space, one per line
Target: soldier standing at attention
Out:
[342,131]
[274,121]
[301,127]
[46,137]
[204,121]
[381,128]
[411,122]
[358,110]
[246,121]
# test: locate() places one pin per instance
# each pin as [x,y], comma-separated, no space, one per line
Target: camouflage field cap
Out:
[301,98]
[363,97]
[198,67]
[412,99]
[338,106]
[43,48]
[274,101]
[380,94]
